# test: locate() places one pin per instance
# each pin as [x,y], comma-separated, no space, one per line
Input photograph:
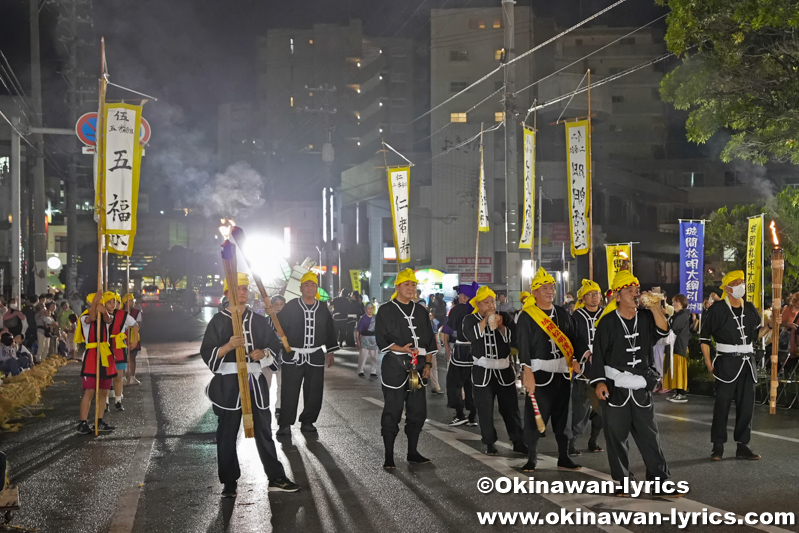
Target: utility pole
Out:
[39,199]
[513,261]
[71,196]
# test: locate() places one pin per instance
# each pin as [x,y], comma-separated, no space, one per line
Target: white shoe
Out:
[133,381]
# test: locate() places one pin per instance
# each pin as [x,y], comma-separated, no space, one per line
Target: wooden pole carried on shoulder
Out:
[232,277]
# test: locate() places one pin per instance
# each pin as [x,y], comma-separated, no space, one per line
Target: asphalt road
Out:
[157,470]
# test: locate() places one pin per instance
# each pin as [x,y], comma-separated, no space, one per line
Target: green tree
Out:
[740,73]
[727,230]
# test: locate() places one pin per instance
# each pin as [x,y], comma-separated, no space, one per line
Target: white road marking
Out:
[758,433]
[454,436]
[128,502]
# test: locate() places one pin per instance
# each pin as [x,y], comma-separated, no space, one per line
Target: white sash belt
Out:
[625,380]
[422,351]
[734,348]
[496,364]
[233,368]
[551,365]
[302,355]
[463,343]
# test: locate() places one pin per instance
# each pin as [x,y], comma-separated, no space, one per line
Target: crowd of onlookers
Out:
[42,326]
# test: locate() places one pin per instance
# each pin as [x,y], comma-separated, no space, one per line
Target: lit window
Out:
[481,24]
[497,23]
[457,117]
[499,116]
[292,101]
[498,54]
[310,41]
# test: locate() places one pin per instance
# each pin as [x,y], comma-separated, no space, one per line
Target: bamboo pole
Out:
[777,269]
[100,149]
[232,275]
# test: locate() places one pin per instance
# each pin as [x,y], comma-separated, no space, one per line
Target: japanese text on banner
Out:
[399,195]
[120,244]
[692,263]
[578,161]
[754,263]
[483,213]
[355,278]
[619,257]
[122,165]
[526,240]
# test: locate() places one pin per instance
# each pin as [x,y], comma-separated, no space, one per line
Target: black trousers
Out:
[742,392]
[580,412]
[395,400]
[312,381]
[508,403]
[620,423]
[553,402]
[227,433]
[460,389]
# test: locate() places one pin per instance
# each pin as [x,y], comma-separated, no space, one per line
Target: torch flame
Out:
[773,227]
[225,231]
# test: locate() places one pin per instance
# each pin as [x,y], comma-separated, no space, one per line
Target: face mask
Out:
[12,306]
[739,291]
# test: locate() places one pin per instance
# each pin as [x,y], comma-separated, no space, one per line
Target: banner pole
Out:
[590,190]
[481,185]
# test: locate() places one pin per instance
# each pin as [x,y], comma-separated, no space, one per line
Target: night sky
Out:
[195,54]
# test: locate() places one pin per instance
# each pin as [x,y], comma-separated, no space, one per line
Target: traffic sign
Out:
[86,129]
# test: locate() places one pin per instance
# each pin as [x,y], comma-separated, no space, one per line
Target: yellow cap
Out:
[523,296]
[729,278]
[127,297]
[109,296]
[622,280]
[542,277]
[406,275]
[588,286]
[90,298]
[482,294]
[243,279]
[309,276]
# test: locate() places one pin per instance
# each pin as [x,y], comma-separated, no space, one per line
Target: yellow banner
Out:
[619,256]
[754,263]
[482,223]
[526,238]
[578,164]
[399,195]
[121,167]
[355,278]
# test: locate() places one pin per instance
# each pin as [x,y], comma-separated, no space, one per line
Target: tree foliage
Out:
[740,73]
[728,229]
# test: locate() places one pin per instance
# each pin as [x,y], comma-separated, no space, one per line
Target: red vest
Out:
[90,358]
[117,326]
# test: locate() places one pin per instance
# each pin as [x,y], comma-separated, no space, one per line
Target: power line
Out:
[535,48]
[604,81]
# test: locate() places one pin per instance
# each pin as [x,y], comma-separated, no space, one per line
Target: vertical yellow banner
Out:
[754,263]
[620,257]
[400,197]
[526,239]
[578,164]
[355,278]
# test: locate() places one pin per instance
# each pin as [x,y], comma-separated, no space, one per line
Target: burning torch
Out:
[777,269]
